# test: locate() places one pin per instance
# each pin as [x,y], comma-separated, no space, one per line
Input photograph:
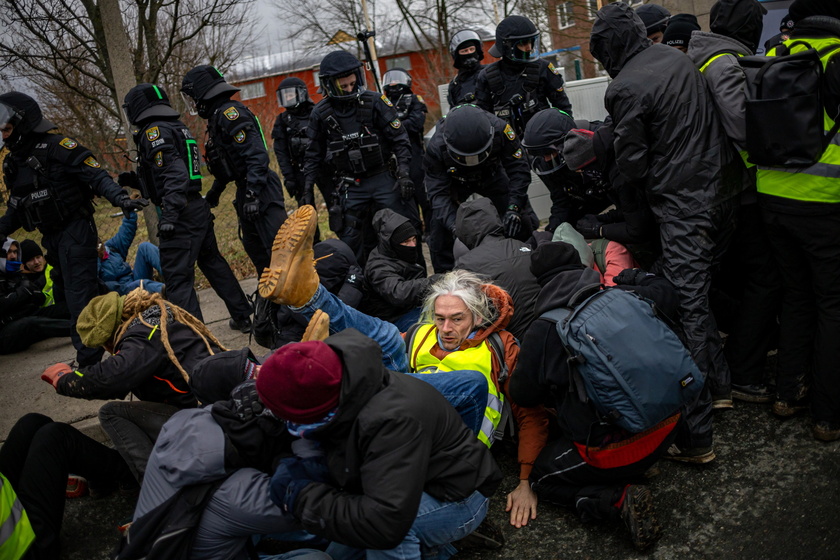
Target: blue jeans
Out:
[405,321]
[145,263]
[465,390]
[343,317]
[436,526]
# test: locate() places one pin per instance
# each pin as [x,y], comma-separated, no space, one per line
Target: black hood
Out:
[27,118]
[214,377]
[476,220]
[654,17]
[617,36]
[570,281]
[385,223]
[801,9]
[333,270]
[741,20]
[146,102]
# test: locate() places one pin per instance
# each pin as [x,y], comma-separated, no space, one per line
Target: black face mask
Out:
[405,253]
[469,63]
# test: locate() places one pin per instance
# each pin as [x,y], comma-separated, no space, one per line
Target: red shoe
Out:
[77,487]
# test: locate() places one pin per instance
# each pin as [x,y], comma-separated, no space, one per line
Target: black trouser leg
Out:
[178,254]
[23,333]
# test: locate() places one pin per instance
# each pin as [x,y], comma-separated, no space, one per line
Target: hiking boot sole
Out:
[785,410]
[640,517]
[318,327]
[750,397]
[292,247]
[825,434]
[696,460]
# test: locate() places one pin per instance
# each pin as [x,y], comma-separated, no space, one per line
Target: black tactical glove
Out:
[631,277]
[165,230]
[130,205]
[406,187]
[246,402]
[308,196]
[336,215]
[251,207]
[589,227]
[212,196]
[512,221]
[27,295]
[129,179]
[292,187]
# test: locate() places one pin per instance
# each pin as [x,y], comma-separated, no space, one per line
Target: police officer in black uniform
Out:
[291,140]
[236,151]
[521,83]
[474,151]
[356,131]
[169,173]
[573,194]
[467,53]
[52,180]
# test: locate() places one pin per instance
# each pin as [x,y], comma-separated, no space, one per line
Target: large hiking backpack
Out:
[784,107]
[625,360]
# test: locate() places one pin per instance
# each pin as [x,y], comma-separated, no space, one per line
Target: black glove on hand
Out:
[26,295]
[165,230]
[292,187]
[212,197]
[246,402]
[406,187]
[512,221]
[130,205]
[308,196]
[129,179]
[589,227]
[251,207]
[631,277]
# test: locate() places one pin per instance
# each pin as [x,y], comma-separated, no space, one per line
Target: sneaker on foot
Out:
[785,409]
[722,402]
[639,516]
[826,431]
[291,278]
[757,393]
[696,455]
[318,327]
[77,486]
[241,325]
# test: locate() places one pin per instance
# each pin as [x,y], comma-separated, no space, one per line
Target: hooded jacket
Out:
[668,138]
[114,271]
[392,438]
[141,365]
[395,286]
[505,261]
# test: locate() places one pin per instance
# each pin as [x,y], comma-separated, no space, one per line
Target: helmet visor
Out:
[396,78]
[547,162]
[190,104]
[474,158]
[290,97]
[525,49]
[347,86]
[9,117]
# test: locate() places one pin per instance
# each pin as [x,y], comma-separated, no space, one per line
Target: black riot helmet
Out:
[396,82]
[337,65]
[23,115]
[291,93]
[145,102]
[202,84]
[543,139]
[468,135]
[461,40]
[517,39]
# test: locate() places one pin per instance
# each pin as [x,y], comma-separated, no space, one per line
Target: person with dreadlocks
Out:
[155,346]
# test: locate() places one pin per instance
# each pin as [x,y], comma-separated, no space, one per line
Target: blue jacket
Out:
[114,271]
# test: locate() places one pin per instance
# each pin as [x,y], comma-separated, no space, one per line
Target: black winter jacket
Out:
[394,286]
[668,138]
[505,261]
[393,438]
[141,365]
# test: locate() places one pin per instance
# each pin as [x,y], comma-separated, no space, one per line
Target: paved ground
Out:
[774,492]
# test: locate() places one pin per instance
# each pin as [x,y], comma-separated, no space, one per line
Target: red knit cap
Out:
[301,382]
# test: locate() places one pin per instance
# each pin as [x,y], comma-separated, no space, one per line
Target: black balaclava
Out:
[741,20]
[402,232]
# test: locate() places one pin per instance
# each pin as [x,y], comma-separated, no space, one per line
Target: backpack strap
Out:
[409,342]
[559,316]
[498,347]
[532,76]
[494,80]
[365,111]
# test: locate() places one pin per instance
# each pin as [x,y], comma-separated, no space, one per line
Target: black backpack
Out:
[784,108]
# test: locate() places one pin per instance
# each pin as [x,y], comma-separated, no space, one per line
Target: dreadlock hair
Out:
[139,300]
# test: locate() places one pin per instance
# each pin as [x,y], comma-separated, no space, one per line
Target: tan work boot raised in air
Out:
[291,278]
[318,327]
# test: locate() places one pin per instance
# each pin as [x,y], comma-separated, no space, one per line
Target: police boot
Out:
[318,328]
[291,278]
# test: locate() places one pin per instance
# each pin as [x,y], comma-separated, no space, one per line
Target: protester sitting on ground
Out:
[114,269]
[461,330]
[594,466]
[154,345]
[35,459]
[505,261]
[35,269]
[23,318]
[402,475]
[396,280]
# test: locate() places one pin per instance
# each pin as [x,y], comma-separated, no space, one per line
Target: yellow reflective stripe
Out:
[717,56]
[48,287]
[151,334]
[16,534]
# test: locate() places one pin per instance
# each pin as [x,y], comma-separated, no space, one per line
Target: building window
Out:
[316,77]
[403,62]
[252,91]
[592,7]
[564,15]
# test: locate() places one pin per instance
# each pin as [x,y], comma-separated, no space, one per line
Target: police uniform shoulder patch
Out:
[553,68]
[239,136]
[386,100]
[231,113]
[68,143]
[395,123]
[153,133]
[560,89]
[159,159]
[509,132]
[518,153]
[419,98]
[91,162]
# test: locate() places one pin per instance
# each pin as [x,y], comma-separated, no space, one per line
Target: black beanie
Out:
[549,257]
[801,9]
[678,32]
[29,250]
[403,231]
